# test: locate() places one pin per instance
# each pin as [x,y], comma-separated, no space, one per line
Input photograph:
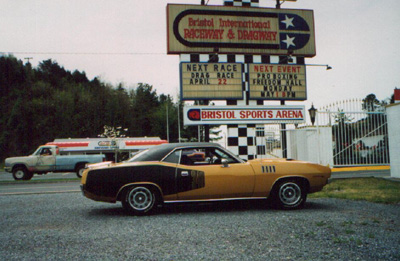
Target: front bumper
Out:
[7,169]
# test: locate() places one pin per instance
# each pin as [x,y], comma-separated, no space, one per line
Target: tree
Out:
[144,104]
[372,104]
[38,105]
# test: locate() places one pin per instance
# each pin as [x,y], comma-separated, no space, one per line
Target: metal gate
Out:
[345,134]
[360,135]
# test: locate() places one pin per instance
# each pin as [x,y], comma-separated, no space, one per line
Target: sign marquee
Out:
[200,29]
[203,115]
[216,81]
[277,81]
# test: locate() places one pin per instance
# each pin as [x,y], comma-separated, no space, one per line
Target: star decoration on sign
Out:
[289,41]
[288,21]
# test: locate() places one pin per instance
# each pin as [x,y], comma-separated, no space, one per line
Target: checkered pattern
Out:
[247,141]
[244,3]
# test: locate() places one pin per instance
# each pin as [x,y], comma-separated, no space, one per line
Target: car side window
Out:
[204,156]
[173,157]
[222,155]
[193,156]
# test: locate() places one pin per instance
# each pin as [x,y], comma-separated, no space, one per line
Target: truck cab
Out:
[45,157]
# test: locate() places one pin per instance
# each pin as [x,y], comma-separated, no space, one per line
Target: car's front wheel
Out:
[21,173]
[289,194]
[140,200]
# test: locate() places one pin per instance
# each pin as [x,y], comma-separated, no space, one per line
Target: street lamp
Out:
[323,65]
[312,111]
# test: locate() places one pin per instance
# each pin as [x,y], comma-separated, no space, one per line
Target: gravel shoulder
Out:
[69,226]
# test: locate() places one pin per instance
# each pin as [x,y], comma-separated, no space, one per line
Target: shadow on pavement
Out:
[209,207]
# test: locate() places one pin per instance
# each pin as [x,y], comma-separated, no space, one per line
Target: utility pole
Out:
[179,123]
[167,123]
[28,58]
[206,127]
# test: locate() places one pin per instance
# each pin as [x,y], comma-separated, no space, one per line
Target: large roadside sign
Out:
[277,82]
[215,115]
[201,29]
[211,81]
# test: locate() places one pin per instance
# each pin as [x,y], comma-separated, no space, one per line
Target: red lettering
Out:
[288,69]
[186,33]
[263,68]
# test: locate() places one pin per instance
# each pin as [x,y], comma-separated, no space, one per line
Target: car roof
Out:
[158,152]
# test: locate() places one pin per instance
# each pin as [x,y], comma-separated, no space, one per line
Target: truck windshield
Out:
[37,152]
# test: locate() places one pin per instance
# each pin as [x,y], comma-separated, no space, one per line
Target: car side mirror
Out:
[224,163]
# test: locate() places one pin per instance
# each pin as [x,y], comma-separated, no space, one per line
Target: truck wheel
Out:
[21,173]
[79,170]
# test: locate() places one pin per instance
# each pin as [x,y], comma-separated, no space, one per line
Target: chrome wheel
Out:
[140,199]
[290,194]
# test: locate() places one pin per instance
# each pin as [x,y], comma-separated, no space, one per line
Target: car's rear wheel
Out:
[289,194]
[140,200]
[80,168]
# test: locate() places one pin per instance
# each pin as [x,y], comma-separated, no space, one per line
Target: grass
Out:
[375,190]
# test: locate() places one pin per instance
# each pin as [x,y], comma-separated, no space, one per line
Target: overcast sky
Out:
[125,41]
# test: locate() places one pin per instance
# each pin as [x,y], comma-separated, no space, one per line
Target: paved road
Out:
[53,221]
[5,176]
[12,187]
[37,188]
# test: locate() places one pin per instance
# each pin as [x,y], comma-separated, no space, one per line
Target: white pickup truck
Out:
[47,159]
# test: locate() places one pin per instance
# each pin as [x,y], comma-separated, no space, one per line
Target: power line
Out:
[81,53]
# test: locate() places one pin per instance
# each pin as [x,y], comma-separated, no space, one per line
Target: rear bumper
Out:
[96,197]
[83,193]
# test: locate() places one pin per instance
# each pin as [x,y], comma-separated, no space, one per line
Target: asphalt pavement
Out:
[5,176]
[55,222]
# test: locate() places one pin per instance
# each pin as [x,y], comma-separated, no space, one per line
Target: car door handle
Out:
[184,173]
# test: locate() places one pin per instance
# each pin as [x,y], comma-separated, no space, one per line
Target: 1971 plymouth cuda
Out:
[183,172]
